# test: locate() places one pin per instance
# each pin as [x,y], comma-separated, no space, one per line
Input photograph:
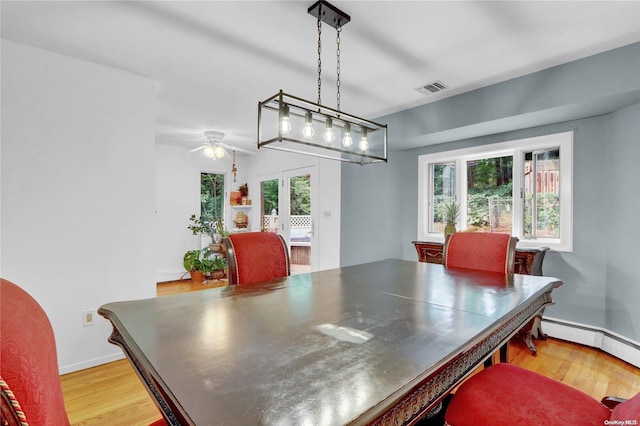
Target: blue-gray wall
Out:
[619,220]
[596,97]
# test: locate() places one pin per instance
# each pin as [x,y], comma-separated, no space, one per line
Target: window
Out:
[211,197]
[521,187]
[269,212]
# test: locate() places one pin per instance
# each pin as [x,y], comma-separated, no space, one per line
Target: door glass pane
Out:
[490,195]
[269,213]
[443,177]
[542,190]
[300,218]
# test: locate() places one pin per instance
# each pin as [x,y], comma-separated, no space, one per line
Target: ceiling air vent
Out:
[433,87]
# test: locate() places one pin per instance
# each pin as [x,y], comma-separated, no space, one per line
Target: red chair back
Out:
[256,256]
[482,251]
[28,360]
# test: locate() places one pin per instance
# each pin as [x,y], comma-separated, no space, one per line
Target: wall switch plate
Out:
[89,317]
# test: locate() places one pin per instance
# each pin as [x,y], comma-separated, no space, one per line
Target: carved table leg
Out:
[529,341]
[533,330]
[536,330]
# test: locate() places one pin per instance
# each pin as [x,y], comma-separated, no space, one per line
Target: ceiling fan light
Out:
[218,151]
[209,152]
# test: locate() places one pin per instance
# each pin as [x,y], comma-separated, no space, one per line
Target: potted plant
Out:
[450,213]
[218,232]
[218,266]
[198,263]
[200,227]
[197,226]
[192,264]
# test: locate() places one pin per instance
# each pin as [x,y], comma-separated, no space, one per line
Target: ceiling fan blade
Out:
[226,153]
[198,148]
[235,148]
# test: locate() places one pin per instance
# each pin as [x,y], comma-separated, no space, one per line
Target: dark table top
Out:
[331,347]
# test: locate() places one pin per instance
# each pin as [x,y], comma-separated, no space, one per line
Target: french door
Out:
[288,207]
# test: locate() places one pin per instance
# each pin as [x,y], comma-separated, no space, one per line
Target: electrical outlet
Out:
[89,317]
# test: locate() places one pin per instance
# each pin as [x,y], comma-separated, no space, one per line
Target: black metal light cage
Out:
[272,136]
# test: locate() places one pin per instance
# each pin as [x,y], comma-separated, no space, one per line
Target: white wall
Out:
[77,192]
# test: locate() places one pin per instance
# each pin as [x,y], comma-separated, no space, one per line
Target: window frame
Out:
[517,149]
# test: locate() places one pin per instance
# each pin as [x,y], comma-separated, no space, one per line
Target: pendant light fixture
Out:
[289,123]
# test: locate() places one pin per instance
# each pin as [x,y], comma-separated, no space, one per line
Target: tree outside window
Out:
[211,197]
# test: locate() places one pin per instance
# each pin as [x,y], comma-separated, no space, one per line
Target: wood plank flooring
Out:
[173,287]
[112,394]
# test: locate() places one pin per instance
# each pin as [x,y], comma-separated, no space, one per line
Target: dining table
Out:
[377,343]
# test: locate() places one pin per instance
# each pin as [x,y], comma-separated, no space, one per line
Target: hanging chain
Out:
[319,56]
[338,30]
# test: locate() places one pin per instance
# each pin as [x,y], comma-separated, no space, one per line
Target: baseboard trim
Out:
[612,343]
[162,277]
[91,363]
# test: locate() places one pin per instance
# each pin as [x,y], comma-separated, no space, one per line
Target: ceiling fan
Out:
[214,147]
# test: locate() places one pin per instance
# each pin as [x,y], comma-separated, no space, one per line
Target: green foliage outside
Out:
[269,196]
[486,178]
[211,197]
[548,220]
[300,188]
[489,178]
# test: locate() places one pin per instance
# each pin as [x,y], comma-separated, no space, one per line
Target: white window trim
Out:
[516,148]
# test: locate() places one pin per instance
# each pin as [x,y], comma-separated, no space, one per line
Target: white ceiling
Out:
[214,60]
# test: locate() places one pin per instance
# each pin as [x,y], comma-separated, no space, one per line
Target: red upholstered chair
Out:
[29,361]
[256,256]
[30,387]
[508,395]
[481,251]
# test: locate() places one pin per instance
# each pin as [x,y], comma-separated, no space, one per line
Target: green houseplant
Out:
[203,262]
[218,232]
[198,263]
[199,226]
[218,266]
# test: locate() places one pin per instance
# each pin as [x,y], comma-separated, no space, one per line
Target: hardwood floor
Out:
[112,394]
[173,287]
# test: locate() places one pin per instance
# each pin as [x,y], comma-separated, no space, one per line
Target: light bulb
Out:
[285,124]
[346,137]
[364,142]
[208,151]
[329,136]
[307,131]
[219,151]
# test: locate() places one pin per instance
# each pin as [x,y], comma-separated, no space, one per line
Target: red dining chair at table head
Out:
[507,395]
[30,387]
[483,251]
[29,361]
[256,256]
